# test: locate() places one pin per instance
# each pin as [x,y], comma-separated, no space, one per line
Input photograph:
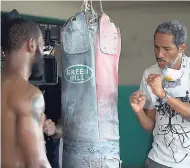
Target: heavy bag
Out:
[79,98]
[89,93]
[107,51]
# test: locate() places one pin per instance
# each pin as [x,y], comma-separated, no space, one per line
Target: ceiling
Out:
[120,4]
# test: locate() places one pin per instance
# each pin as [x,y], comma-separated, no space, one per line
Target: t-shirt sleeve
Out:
[146,92]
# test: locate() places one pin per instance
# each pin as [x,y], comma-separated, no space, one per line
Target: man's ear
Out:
[31,45]
[182,48]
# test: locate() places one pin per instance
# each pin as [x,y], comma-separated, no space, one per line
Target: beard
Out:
[38,65]
[163,63]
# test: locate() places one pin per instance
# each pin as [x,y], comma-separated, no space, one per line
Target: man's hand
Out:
[49,127]
[154,81]
[137,101]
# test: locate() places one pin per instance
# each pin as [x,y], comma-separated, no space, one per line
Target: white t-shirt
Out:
[171,145]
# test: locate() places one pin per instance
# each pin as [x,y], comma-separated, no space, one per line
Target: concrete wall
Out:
[57,10]
[137,22]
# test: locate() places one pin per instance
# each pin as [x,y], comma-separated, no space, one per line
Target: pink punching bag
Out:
[107,53]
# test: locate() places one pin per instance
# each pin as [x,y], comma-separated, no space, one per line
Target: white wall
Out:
[137,22]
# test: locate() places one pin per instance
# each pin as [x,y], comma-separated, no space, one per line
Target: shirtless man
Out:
[22,103]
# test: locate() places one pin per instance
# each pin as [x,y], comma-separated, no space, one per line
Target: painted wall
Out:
[137,23]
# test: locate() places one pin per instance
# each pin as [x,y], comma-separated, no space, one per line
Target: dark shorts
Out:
[52,149]
[149,163]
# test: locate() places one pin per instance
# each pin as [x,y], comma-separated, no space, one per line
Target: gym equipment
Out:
[91,45]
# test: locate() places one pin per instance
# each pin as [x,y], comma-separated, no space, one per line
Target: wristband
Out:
[58,132]
[166,98]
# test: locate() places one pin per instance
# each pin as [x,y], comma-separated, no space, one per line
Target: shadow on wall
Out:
[135,142]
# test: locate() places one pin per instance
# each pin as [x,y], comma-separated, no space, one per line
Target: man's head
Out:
[25,38]
[169,42]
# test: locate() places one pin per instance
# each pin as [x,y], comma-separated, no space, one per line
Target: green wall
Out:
[135,143]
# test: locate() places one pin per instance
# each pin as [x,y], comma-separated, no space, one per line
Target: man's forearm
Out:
[180,107]
[146,122]
[183,108]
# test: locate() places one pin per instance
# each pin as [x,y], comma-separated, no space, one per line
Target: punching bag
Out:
[107,52]
[89,92]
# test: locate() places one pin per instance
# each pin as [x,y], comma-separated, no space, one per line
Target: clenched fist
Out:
[49,127]
[154,81]
[137,101]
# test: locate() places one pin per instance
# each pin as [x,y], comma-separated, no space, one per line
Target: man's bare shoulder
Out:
[30,100]
[18,88]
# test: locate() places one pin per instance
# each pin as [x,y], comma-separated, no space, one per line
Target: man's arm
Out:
[147,119]
[148,114]
[180,107]
[30,134]
[155,83]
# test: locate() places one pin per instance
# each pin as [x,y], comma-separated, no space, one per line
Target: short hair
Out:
[16,32]
[174,28]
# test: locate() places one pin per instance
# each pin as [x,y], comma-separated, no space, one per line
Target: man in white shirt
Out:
[162,104]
